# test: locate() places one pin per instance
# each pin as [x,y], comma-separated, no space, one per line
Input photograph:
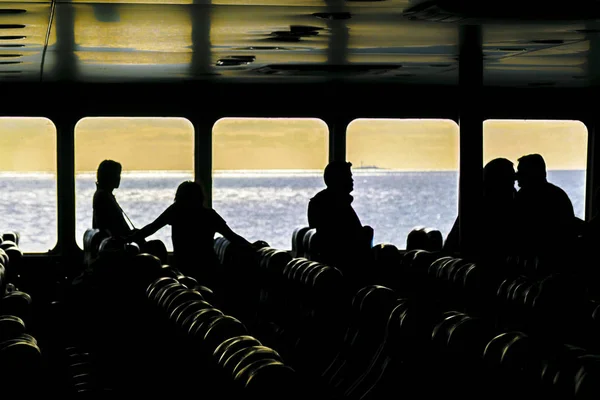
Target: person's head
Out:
[190,194]
[338,176]
[109,174]
[499,176]
[531,170]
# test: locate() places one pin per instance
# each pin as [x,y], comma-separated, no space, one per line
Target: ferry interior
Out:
[93,316]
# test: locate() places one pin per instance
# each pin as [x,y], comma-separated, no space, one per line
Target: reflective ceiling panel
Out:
[23,29]
[121,41]
[399,5]
[116,40]
[536,54]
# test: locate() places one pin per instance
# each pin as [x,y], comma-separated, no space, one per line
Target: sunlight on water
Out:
[260,205]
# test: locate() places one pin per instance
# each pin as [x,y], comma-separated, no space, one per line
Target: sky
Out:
[141,144]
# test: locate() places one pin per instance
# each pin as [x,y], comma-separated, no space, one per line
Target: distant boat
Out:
[363,166]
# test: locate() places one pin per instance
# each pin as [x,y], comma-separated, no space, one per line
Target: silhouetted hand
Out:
[259,244]
[131,237]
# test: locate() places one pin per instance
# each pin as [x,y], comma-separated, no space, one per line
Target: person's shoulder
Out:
[101,196]
[557,190]
[210,212]
[320,197]
[213,216]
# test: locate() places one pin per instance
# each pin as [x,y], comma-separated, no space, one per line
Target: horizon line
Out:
[219,171]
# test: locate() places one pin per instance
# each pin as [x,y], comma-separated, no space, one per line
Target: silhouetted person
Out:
[193,230]
[108,215]
[544,212]
[343,241]
[497,211]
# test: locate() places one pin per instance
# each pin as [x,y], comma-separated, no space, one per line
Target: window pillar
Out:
[471,135]
[203,154]
[337,125]
[65,136]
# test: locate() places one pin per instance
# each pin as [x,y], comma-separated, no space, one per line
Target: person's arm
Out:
[224,229]
[152,227]
[312,215]
[452,242]
[233,237]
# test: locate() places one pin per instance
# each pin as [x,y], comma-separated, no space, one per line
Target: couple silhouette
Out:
[193,224]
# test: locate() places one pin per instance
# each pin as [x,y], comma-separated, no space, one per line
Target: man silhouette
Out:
[544,212]
[343,241]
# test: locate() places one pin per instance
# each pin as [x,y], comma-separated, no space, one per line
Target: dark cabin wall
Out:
[281,99]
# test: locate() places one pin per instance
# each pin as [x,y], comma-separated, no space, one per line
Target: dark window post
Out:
[471,135]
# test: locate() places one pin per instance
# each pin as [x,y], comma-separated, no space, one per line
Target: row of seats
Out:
[305,242]
[411,322]
[419,327]
[178,336]
[20,354]
[237,357]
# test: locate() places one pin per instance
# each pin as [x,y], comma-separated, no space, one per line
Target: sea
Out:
[259,205]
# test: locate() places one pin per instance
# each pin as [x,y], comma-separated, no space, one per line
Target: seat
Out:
[17,303]
[11,236]
[310,244]
[435,239]
[298,249]
[232,345]
[272,381]
[222,329]
[417,239]
[11,327]
[187,308]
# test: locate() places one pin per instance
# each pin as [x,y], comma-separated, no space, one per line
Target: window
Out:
[28,201]
[157,154]
[563,144]
[265,170]
[405,175]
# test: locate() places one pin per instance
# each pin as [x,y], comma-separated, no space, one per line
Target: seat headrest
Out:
[111,245]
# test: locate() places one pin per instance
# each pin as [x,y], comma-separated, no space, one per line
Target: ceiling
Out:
[133,40]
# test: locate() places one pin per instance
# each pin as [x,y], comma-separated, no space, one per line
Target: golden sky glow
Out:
[563,144]
[141,144]
[274,143]
[27,144]
[410,144]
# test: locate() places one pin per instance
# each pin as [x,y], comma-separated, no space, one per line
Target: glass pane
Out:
[157,154]
[28,181]
[265,170]
[405,175]
[563,144]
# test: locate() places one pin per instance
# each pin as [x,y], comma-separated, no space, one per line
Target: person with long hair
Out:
[193,227]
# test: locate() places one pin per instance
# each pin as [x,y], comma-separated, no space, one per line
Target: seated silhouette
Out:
[544,212]
[193,229]
[108,215]
[497,211]
[342,239]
